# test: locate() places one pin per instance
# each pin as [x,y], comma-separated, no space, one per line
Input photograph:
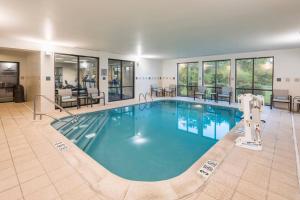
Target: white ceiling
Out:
[155,28]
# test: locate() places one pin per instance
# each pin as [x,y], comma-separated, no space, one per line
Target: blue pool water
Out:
[153,141]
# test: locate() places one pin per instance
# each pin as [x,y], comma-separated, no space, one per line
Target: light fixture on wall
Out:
[84,65]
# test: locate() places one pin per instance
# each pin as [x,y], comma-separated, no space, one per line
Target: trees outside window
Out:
[187,80]
[255,75]
[216,74]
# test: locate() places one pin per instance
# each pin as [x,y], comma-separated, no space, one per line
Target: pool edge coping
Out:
[82,160]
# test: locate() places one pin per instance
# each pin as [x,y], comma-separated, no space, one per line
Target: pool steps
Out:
[85,143]
[89,125]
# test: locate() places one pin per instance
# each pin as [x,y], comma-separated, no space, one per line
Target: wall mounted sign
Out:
[103,72]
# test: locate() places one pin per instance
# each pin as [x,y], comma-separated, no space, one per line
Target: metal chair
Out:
[281,96]
[95,94]
[171,90]
[225,92]
[156,89]
[66,96]
[200,92]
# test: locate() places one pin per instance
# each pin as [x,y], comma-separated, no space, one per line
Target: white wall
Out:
[286,65]
[145,67]
[147,72]
[33,75]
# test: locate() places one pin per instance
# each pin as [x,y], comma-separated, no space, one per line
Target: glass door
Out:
[88,72]
[114,80]
[127,79]
[120,80]
[9,78]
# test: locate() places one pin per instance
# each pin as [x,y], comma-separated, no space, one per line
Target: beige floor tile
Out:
[107,187]
[35,184]
[186,183]
[251,190]
[5,173]
[273,196]
[79,193]
[257,174]
[149,190]
[291,170]
[218,191]
[21,167]
[68,183]
[45,193]
[204,196]
[226,179]
[61,173]
[11,194]
[239,196]
[6,164]
[30,174]
[284,190]
[278,176]
[8,183]
[5,155]
[52,163]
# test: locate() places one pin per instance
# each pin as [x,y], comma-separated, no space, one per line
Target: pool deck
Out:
[32,167]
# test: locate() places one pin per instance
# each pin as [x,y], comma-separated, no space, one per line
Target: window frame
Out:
[253,69]
[216,71]
[121,80]
[78,69]
[187,78]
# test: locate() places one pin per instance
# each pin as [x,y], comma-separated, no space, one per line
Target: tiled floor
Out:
[32,168]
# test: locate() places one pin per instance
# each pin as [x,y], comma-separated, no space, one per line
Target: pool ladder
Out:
[144,96]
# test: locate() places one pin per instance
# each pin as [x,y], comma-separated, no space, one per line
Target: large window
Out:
[120,80]
[216,74]
[187,79]
[255,75]
[76,73]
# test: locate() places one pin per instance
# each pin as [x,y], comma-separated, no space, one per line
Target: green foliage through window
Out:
[255,75]
[187,78]
[216,74]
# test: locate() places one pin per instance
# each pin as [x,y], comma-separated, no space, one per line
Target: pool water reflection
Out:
[154,141]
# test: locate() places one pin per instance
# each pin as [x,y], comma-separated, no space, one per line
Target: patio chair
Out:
[65,96]
[200,92]
[156,89]
[171,90]
[281,96]
[95,94]
[225,93]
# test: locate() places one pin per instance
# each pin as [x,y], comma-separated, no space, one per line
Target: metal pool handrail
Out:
[75,117]
[144,95]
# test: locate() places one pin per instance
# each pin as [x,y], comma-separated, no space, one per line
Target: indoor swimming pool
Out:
[153,141]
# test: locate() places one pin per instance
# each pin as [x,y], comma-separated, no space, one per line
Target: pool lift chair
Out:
[252,106]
